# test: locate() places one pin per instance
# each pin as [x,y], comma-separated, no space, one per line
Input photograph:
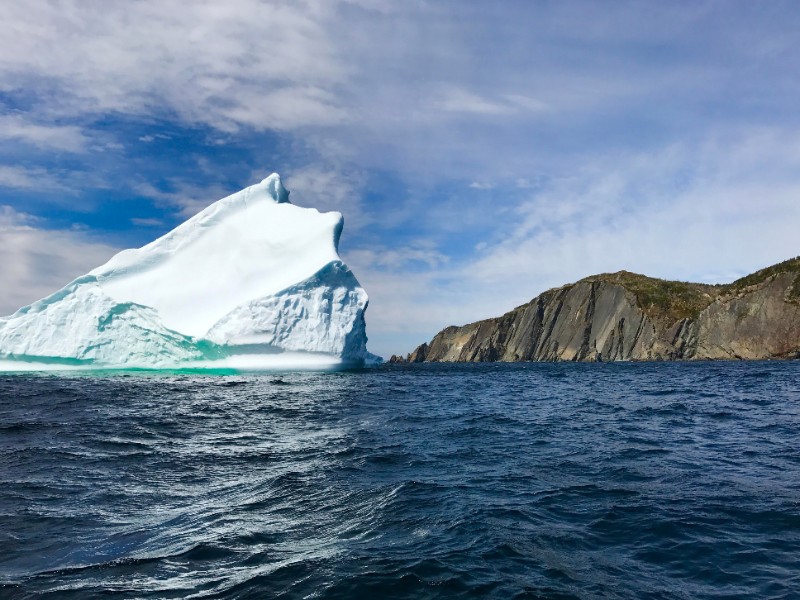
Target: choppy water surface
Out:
[433,481]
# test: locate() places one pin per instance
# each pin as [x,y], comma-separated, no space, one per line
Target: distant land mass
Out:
[626,316]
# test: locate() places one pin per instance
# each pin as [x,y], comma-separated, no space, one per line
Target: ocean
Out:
[620,480]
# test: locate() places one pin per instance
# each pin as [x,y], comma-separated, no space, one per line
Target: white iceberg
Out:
[251,282]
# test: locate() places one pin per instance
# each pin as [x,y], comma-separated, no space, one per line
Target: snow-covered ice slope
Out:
[251,281]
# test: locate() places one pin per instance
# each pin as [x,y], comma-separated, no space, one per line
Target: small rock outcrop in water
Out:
[626,316]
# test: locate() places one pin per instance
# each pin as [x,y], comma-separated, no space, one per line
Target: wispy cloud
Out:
[34,178]
[457,100]
[264,65]
[147,222]
[187,197]
[481,185]
[417,252]
[68,138]
[35,261]
[463,101]
[330,188]
[60,186]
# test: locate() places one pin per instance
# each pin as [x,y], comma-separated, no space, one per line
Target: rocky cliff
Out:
[625,316]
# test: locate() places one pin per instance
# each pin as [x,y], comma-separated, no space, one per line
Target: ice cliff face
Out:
[252,282]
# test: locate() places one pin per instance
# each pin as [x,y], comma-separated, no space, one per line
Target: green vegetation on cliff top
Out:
[676,300]
[662,299]
[788,266]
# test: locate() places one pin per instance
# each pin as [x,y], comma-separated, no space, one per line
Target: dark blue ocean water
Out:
[436,481]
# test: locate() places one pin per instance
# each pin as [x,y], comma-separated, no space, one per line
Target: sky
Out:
[480,152]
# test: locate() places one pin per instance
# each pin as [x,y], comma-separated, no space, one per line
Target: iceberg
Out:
[251,282]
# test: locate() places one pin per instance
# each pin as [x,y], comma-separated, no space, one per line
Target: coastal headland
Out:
[627,316]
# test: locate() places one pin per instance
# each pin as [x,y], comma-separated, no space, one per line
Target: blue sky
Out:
[480,152]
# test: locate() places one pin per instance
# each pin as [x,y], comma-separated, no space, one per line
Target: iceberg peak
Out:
[274,188]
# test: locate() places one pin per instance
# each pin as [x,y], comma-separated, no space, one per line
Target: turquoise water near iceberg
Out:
[650,480]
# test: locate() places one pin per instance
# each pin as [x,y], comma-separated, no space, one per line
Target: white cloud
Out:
[9,218]
[23,178]
[418,252]
[525,103]
[188,197]
[289,107]
[147,222]
[329,188]
[264,65]
[68,138]
[35,262]
[458,100]
[153,137]
[462,101]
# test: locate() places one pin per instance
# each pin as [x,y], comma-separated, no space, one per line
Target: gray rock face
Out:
[624,316]
[764,322]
